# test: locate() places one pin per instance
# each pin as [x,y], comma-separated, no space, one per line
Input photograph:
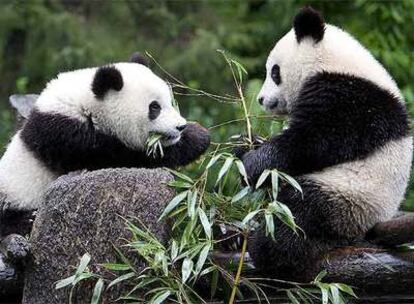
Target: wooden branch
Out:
[373,271]
[396,231]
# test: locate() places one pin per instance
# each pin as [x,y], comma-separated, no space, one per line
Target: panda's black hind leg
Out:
[289,257]
[16,221]
[15,226]
[295,256]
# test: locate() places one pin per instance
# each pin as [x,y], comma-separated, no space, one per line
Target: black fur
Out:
[66,144]
[139,58]
[15,221]
[309,22]
[336,118]
[106,78]
[296,257]
[154,110]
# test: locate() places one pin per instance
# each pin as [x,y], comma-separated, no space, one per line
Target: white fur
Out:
[124,114]
[22,177]
[336,52]
[375,186]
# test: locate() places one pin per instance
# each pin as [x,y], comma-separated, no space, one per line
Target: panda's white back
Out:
[22,176]
[375,186]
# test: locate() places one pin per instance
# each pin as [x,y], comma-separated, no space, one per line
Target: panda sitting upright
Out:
[90,119]
[348,144]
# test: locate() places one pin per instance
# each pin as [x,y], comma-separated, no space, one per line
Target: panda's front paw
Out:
[15,247]
[244,145]
[252,166]
[197,137]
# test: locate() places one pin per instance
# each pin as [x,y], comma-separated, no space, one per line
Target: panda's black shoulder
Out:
[334,89]
[335,98]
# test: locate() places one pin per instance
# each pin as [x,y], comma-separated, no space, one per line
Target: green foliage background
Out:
[38,39]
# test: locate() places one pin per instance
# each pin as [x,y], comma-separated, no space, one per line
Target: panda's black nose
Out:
[260,100]
[181,128]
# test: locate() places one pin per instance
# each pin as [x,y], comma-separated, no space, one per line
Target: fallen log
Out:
[374,273]
[396,231]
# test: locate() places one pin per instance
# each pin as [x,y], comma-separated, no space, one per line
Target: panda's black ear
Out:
[309,23]
[139,58]
[106,78]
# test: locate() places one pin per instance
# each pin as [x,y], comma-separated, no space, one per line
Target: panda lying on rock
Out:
[91,119]
[348,144]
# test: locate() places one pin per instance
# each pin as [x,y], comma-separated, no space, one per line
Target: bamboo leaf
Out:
[262,178]
[65,282]
[213,160]
[320,276]
[291,297]
[114,266]
[325,295]
[97,291]
[250,216]
[179,184]
[285,215]
[173,203]
[186,269]
[242,171]
[181,175]
[82,276]
[291,181]
[205,222]
[174,250]
[86,258]
[275,183]
[347,289]
[240,194]
[270,228]
[335,295]
[191,203]
[202,258]
[121,278]
[226,166]
[208,270]
[160,297]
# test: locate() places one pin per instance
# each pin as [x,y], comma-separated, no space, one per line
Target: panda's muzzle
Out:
[181,128]
[274,104]
[174,135]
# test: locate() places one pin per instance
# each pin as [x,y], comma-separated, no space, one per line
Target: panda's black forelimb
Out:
[66,144]
[194,141]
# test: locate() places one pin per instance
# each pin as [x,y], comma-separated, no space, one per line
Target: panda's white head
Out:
[313,46]
[126,100]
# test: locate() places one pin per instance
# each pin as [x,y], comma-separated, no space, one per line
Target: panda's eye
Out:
[154,110]
[275,73]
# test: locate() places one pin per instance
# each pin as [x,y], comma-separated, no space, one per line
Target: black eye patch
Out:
[275,74]
[154,110]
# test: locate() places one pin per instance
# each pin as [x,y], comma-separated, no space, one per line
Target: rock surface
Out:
[82,214]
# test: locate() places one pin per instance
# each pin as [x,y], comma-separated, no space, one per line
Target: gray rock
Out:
[82,214]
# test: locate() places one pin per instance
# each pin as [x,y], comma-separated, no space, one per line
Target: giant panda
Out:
[347,143]
[90,119]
